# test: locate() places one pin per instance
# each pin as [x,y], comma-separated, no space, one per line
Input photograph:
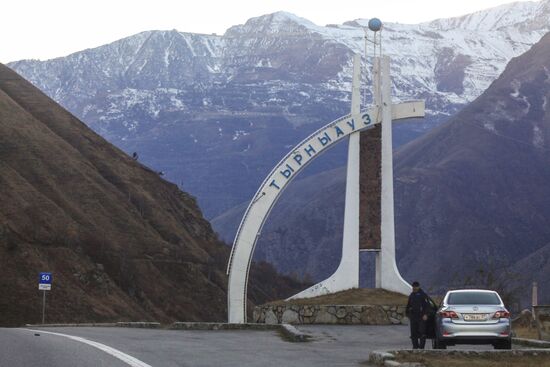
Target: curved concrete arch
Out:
[347,274]
[268,194]
[278,179]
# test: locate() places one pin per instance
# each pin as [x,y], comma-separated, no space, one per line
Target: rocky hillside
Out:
[471,193]
[121,242]
[215,113]
[476,190]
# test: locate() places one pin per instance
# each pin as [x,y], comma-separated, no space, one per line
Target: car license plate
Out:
[475,317]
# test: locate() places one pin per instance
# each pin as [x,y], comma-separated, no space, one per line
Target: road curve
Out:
[24,348]
[330,346]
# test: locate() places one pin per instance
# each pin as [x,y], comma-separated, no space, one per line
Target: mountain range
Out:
[214,113]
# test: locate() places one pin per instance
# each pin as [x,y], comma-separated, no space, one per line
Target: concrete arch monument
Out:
[347,274]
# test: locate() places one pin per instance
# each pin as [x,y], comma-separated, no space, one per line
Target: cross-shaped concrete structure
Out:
[347,274]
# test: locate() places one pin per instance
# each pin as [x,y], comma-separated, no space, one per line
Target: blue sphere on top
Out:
[375,24]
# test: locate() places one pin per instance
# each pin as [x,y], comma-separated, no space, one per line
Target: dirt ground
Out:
[526,333]
[361,296]
[476,361]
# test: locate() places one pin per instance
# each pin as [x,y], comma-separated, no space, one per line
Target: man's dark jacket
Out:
[418,305]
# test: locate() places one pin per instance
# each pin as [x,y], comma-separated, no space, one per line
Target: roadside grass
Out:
[526,332]
[477,361]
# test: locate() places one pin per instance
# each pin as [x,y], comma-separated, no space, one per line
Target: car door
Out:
[430,323]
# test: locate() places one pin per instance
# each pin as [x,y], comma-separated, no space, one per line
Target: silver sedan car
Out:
[472,316]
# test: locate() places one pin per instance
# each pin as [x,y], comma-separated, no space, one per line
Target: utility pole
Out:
[534,298]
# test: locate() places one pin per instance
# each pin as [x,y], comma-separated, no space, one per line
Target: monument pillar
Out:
[388,275]
[349,266]
[377,227]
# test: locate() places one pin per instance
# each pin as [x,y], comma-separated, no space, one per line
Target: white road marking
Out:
[129,360]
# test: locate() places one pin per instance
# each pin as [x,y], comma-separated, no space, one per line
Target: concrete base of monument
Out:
[353,307]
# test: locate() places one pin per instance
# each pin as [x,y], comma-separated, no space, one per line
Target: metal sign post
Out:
[44,284]
[43,307]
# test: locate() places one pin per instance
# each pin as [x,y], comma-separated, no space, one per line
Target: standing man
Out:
[418,309]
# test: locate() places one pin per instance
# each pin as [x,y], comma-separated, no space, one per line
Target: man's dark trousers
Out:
[418,331]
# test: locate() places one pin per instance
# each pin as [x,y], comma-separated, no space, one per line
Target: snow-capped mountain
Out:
[215,112]
[502,16]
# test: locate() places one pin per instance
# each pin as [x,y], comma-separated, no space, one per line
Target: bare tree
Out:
[508,284]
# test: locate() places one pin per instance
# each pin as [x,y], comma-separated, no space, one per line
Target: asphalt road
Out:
[21,348]
[331,346]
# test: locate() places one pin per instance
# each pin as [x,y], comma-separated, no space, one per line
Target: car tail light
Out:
[448,315]
[501,315]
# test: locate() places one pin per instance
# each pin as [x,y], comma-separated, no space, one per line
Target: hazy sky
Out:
[43,29]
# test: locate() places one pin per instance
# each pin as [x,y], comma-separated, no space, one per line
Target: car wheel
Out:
[438,344]
[503,344]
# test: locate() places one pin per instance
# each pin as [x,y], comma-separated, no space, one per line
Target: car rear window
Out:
[473,298]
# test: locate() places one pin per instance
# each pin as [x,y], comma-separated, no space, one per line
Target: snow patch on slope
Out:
[490,19]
